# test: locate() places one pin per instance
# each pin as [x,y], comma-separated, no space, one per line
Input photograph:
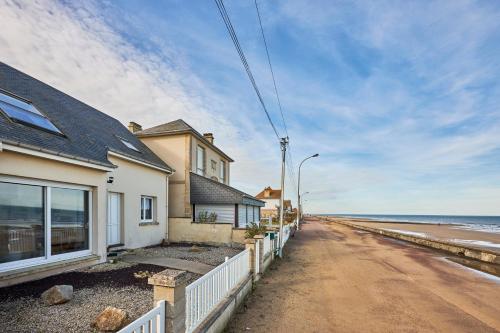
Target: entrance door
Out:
[114,219]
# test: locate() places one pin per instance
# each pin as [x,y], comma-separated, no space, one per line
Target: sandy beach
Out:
[444,232]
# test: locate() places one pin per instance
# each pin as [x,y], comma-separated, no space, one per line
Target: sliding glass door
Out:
[22,222]
[42,223]
[69,214]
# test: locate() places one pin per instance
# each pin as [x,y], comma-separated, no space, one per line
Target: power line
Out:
[290,169]
[234,37]
[271,67]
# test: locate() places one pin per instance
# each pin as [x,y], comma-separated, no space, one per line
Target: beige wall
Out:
[210,155]
[184,230]
[179,152]
[130,179]
[271,203]
[174,150]
[14,164]
[133,180]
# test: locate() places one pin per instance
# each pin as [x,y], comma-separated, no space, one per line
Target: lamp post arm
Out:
[298,189]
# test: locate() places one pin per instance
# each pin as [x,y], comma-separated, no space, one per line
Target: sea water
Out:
[479,223]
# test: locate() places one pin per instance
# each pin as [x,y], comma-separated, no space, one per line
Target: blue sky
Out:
[401,99]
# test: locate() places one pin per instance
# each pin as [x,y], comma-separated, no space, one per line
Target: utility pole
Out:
[284,143]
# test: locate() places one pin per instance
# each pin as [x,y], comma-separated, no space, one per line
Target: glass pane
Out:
[200,160]
[128,144]
[16,102]
[142,208]
[70,220]
[27,117]
[22,222]
[148,209]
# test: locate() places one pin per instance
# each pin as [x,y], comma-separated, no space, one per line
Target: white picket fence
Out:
[267,245]
[152,322]
[203,295]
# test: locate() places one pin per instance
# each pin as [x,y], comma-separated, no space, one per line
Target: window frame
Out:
[48,258]
[27,107]
[203,163]
[142,210]
[129,144]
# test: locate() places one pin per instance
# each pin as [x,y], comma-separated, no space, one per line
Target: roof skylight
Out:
[25,112]
[128,144]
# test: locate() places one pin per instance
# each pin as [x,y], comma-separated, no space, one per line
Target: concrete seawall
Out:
[457,249]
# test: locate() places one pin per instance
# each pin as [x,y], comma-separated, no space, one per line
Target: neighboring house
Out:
[272,203]
[201,182]
[73,181]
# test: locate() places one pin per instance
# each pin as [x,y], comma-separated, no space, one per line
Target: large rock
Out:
[111,319]
[58,294]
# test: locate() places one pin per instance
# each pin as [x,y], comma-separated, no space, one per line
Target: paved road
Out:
[336,279]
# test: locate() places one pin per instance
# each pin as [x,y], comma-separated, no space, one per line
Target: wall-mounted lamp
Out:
[110,180]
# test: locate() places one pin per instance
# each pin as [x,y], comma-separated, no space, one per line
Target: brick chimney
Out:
[134,127]
[209,137]
[267,192]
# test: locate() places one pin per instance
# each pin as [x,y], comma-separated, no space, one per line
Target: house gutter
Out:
[26,149]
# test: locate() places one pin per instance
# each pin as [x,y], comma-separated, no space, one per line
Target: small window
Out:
[24,112]
[214,165]
[146,209]
[222,171]
[128,144]
[200,160]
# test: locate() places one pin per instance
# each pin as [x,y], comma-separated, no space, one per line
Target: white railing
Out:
[286,234]
[151,322]
[205,293]
[267,245]
[257,256]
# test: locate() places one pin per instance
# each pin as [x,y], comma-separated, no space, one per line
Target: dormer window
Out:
[128,144]
[24,112]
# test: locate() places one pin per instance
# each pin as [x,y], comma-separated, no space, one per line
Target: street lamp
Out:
[298,189]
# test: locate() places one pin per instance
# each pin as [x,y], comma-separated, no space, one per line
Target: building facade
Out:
[73,183]
[200,189]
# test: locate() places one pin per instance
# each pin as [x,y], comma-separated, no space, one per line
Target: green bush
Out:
[254,229]
[205,217]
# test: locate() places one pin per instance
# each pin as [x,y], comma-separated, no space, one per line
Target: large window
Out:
[200,160]
[223,171]
[70,220]
[40,223]
[22,222]
[147,208]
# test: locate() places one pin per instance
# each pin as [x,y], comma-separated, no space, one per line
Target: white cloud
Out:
[380,137]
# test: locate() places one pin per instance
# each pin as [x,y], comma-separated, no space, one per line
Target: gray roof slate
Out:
[177,127]
[88,133]
[208,191]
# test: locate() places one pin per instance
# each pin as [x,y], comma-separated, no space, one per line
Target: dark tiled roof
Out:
[178,126]
[273,194]
[88,133]
[208,191]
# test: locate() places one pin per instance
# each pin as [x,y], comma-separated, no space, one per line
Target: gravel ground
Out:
[95,288]
[30,314]
[210,255]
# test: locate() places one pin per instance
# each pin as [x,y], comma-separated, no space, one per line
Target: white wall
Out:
[271,203]
[133,180]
